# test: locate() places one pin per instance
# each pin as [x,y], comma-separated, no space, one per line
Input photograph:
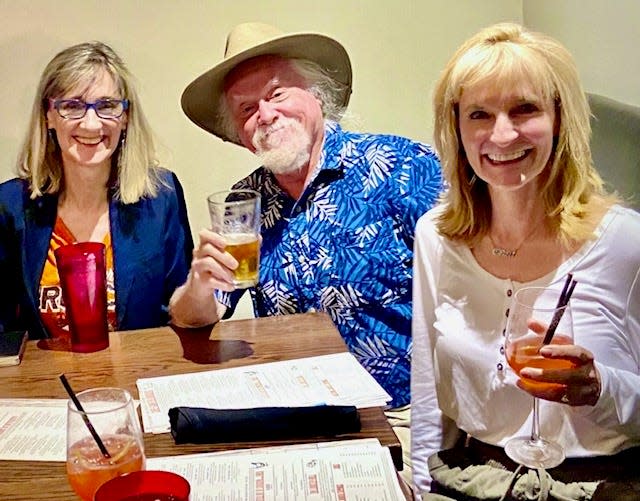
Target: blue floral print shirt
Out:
[346,246]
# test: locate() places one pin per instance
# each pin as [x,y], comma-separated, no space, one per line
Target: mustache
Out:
[261,135]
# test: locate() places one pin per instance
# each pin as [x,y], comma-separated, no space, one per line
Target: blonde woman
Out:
[87,172]
[525,207]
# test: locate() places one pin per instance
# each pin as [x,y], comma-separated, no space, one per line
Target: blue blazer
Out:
[152,251]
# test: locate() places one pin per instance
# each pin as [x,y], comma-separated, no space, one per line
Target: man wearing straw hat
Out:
[338,208]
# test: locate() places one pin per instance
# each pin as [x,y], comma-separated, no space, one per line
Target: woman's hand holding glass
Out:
[578,384]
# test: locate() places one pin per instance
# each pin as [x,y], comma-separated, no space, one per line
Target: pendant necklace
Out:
[502,252]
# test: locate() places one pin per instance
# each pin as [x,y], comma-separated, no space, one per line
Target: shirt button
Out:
[506,313]
[509,292]
[501,350]
[504,332]
[499,366]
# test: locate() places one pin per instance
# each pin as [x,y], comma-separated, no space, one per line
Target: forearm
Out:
[193,306]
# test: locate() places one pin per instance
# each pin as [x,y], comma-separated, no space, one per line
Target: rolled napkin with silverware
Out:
[204,426]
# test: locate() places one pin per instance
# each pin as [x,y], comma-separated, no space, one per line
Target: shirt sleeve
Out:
[419,182]
[426,417]
[618,407]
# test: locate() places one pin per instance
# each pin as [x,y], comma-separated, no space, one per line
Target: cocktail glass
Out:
[533,305]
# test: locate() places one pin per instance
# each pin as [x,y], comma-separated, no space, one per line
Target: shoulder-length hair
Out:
[506,54]
[134,173]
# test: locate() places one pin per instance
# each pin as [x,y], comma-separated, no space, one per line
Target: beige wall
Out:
[602,35]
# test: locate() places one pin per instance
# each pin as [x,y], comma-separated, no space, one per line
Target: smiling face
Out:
[274,114]
[90,141]
[507,134]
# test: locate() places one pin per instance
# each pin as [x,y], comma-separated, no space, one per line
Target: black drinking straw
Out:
[78,405]
[563,300]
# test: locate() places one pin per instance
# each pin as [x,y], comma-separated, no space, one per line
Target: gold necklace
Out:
[502,252]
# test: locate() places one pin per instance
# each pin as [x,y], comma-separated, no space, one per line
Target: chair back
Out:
[615,146]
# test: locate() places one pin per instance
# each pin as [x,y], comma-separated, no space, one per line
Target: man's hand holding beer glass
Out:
[235,216]
[226,258]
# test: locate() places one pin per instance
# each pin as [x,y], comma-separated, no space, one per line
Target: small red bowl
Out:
[145,485]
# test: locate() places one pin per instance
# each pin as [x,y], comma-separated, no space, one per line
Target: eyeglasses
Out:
[104,108]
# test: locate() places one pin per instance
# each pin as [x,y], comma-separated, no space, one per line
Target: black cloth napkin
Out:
[204,426]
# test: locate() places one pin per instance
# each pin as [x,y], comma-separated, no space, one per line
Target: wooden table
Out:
[159,352]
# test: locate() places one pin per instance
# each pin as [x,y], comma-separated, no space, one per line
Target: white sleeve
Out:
[618,407]
[426,418]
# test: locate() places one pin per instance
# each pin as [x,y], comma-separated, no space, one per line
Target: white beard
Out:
[283,157]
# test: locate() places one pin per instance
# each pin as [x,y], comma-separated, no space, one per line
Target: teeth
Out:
[497,157]
[89,140]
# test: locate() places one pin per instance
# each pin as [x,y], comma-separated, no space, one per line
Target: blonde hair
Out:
[507,54]
[134,165]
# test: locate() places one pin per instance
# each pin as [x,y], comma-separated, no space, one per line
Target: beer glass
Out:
[235,214]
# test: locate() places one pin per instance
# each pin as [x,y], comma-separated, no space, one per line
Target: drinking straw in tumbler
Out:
[78,405]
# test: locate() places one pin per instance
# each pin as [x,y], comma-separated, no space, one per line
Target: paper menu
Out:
[336,379]
[344,470]
[33,429]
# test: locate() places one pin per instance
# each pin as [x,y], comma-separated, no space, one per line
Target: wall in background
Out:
[602,35]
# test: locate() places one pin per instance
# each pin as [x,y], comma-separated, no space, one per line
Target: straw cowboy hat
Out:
[201,98]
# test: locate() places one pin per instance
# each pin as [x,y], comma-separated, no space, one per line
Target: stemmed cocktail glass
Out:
[533,310]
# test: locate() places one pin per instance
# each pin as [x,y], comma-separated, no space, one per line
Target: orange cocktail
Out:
[88,469]
[525,352]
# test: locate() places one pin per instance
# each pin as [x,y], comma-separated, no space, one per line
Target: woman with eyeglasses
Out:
[87,172]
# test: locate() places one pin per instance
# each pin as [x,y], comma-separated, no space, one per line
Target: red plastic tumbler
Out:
[83,280]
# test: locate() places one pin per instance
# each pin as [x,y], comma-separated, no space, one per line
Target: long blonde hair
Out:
[505,54]
[134,165]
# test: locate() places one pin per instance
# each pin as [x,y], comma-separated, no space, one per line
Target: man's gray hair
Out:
[328,91]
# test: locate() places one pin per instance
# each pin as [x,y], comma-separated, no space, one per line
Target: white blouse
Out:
[460,378]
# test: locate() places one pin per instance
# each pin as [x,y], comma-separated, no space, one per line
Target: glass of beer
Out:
[235,214]
[111,413]
[532,311]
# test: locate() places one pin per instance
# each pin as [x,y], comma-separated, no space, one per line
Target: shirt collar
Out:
[333,148]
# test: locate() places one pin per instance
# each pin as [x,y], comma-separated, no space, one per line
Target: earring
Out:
[123,139]
[52,143]
[473,179]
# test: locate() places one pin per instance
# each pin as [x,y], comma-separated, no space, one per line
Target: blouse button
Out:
[499,366]
[501,350]
[509,292]
[506,313]
[504,332]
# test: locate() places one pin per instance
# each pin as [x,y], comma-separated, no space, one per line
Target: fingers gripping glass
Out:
[76,108]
